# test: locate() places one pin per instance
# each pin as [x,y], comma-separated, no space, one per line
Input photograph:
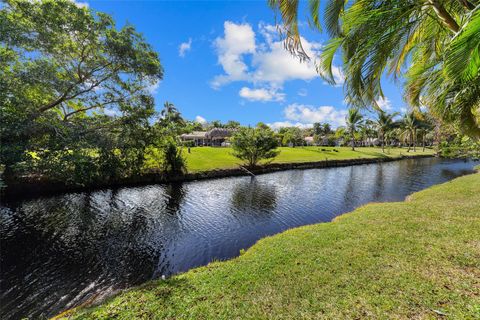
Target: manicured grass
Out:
[209,158]
[418,259]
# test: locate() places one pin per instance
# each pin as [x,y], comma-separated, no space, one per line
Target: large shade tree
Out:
[433,44]
[69,79]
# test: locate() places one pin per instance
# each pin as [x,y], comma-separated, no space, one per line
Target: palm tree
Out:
[170,114]
[354,119]
[435,41]
[410,125]
[384,123]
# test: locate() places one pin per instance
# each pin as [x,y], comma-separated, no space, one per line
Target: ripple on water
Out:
[60,251]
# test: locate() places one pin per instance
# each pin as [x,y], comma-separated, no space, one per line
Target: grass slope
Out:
[418,259]
[209,158]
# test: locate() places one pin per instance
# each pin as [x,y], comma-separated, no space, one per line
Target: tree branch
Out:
[444,16]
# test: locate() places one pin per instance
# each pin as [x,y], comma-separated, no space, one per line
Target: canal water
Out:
[59,251]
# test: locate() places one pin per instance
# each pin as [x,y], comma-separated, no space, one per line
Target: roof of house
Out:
[215,133]
[194,135]
[219,133]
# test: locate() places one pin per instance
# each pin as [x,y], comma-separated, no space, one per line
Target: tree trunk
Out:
[383,143]
[353,143]
[414,140]
[444,16]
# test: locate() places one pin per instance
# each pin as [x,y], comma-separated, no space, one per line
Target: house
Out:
[199,138]
[216,137]
[309,141]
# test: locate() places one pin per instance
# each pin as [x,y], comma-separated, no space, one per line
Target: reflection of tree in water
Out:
[254,196]
[77,244]
[175,194]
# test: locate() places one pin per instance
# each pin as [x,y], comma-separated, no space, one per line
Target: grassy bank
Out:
[208,158]
[418,259]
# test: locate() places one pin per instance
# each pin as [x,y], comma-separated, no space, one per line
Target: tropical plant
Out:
[434,44]
[254,144]
[384,123]
[173,159]
[170,114]
[410,125]
[171,122]
[354,120]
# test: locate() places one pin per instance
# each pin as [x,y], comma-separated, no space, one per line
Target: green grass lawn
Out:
[209,158]
[418,259]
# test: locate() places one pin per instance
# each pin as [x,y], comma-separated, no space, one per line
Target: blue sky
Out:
[223,60]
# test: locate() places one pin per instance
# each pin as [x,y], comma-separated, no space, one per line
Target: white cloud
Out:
[261,94]
[307,114]
[302,92]
[338,76]
[274,64]
[266,64]
[112,112]
[184,47]
[239,39]
[283,124]
[152,88]
[200,119]
[384,103]
[80,4]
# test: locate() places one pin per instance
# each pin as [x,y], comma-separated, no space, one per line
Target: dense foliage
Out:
[74,92]
[433,44]
[254,144]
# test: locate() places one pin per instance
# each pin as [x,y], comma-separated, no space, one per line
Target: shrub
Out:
[254,144]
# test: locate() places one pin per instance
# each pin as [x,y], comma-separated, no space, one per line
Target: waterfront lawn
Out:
[418,259]
[209,158]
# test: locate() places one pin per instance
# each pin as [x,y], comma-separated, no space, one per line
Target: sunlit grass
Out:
[418,259]
[209,158]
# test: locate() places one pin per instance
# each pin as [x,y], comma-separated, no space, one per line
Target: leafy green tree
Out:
[193,126]
[354,120]
[70,79]
[432,43]
[254,144]
[262,125]
[173,159]
[291,136]
[231,124]
[321,129]
[215,124]
[317,129]
[384,123]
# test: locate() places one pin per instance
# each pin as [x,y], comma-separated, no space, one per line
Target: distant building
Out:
[216,137]
[309,141]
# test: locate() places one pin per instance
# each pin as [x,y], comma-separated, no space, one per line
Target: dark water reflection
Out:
[56,252]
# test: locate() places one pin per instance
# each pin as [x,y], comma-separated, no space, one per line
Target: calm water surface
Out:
[57,252]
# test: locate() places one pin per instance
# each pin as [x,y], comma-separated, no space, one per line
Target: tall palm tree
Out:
[432,43]
[410,126]
[170,114]
[384,123]
[354,119]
